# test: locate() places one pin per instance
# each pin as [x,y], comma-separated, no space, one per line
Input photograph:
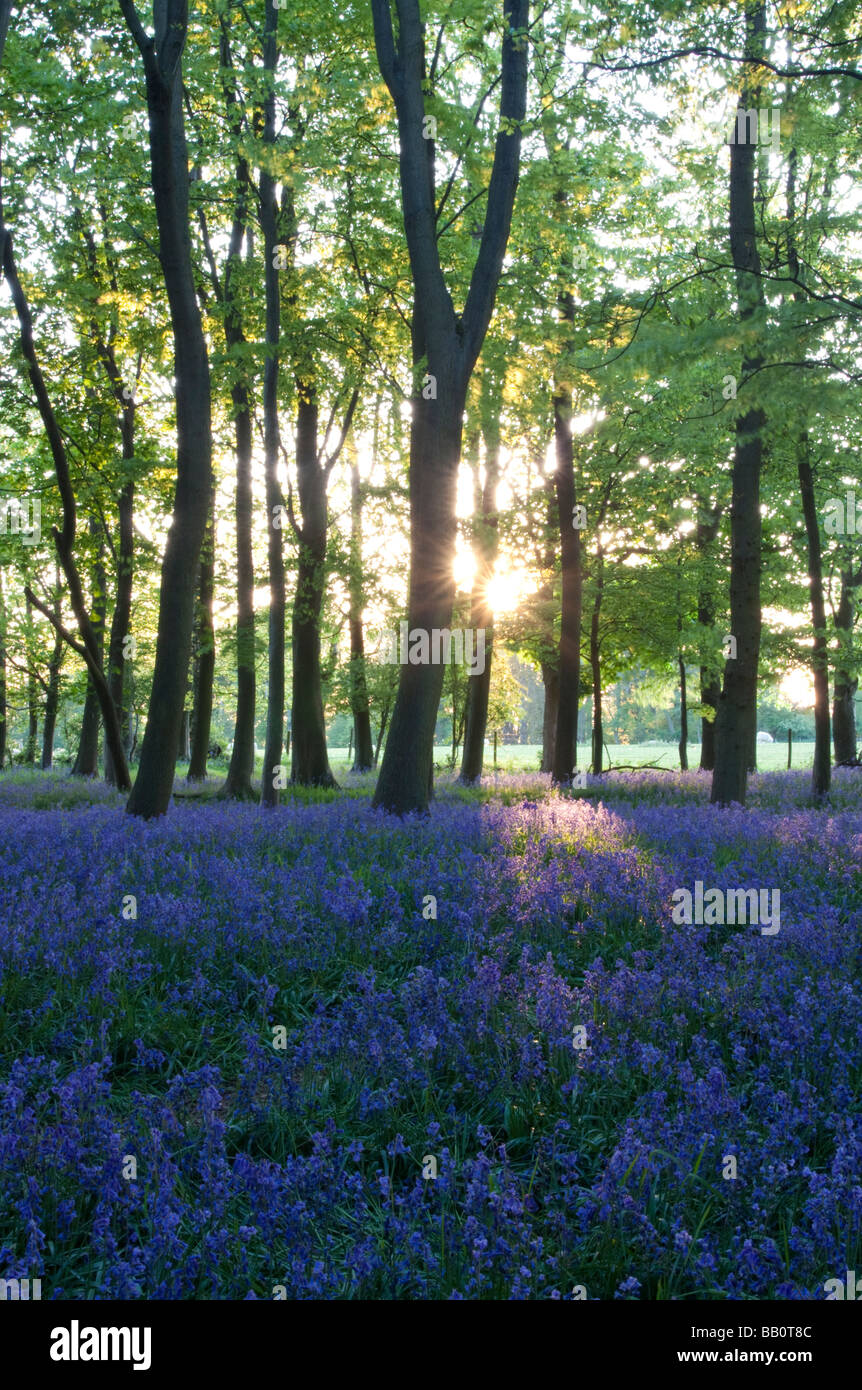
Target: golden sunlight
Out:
[797,687]
[507,590]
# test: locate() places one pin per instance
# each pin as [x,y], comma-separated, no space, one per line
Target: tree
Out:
[447,345]
[162,59]
[736,720]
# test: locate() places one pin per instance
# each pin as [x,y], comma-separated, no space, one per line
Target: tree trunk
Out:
[596,670]
[274,503]
[448,347]
[822,771]
[309,758]
[151,793]
[485,549]
[238,784]
[435,445]
[122,615]
[87,758]
[551,683]
[569,671]
[362,740]
[241,769]
[736,723]
[683,717]
[710,685]
[184,744]
[384,720]
[205,654]
[52,694]
[846,683]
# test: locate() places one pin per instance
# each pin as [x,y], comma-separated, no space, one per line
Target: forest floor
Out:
[318,1052]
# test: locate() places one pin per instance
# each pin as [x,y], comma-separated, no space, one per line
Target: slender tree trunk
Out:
[822,771]
[846,683]
[87,758]
[569,677]
[274,503]
[238,784]
[52,694]
[151,793]
[736,723]
[596,670]
[549,648]
[595,666]
[551,683]
[205,652]
[485,549]
[122,615]
[184,744]
[683,717]
[384,720]
[309,758]
[708,523]
[241,769]
[710,687]
[362,740]
[32,697]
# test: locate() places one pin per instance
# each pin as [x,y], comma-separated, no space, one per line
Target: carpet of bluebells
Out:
[285,1042]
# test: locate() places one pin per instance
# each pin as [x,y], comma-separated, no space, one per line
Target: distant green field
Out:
[525,756]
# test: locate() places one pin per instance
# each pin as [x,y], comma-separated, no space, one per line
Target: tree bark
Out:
[710,685]
[448,346]
[736,723]
[29,756]
[238,784]
[274,501]
[309,758]
[551,683]
[596,669]
[86,762]
[241,769]
[846,683]
[205,657]
[486,546]
[362,740]
[52,693]
[683,717]
[822,770]
[569,677]
[162,57]
[122,615]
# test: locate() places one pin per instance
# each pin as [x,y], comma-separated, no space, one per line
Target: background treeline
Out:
[305,302]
